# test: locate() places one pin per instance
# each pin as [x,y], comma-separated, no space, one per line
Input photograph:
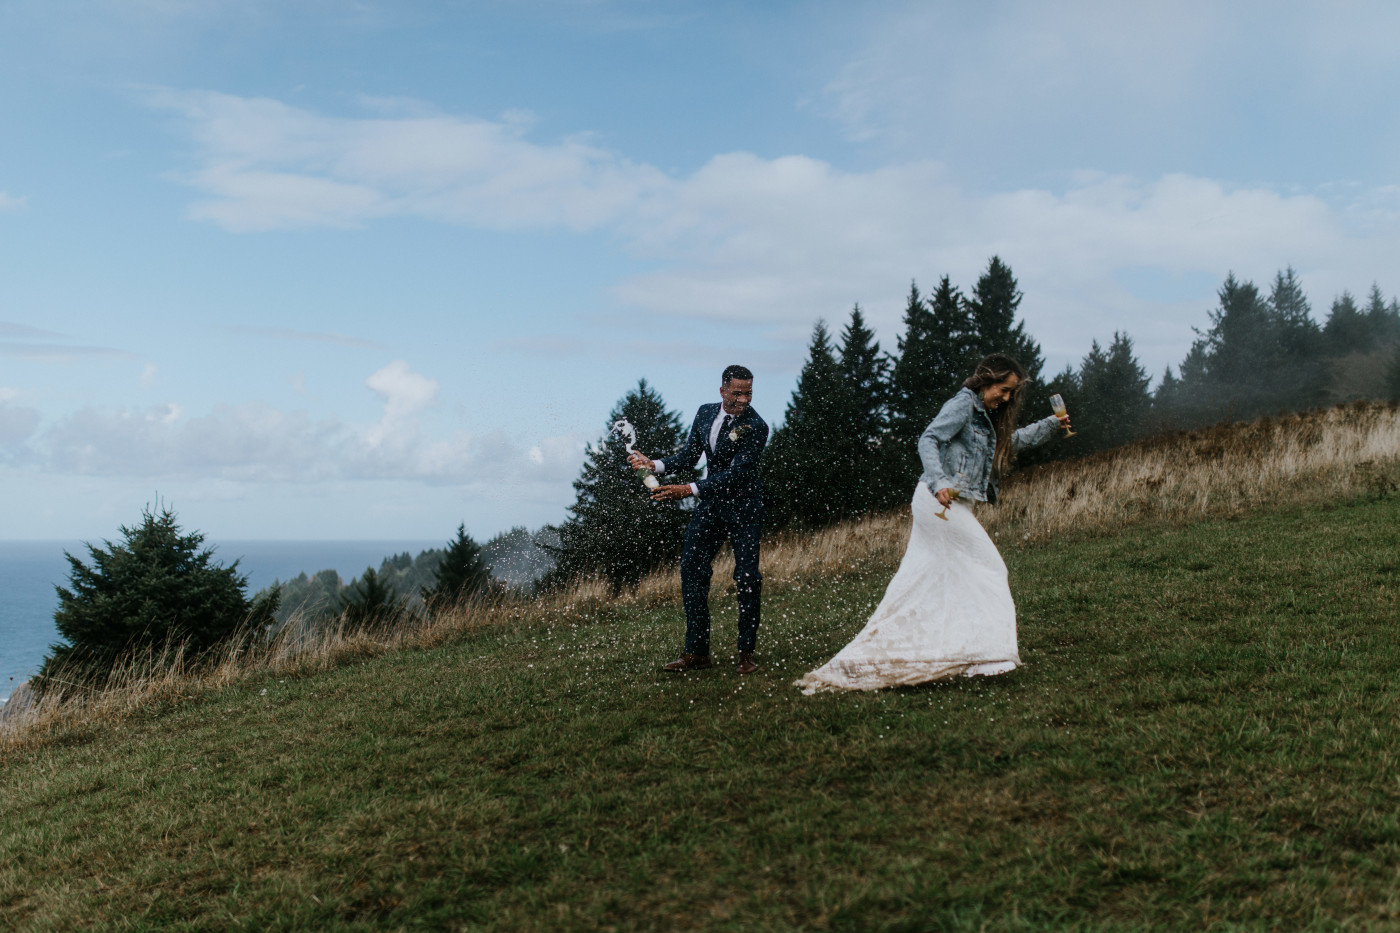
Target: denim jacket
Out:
[958,446]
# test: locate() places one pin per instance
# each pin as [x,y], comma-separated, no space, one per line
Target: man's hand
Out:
[670,493]
[637,461]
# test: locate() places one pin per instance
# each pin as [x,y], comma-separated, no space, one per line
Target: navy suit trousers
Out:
[703,538]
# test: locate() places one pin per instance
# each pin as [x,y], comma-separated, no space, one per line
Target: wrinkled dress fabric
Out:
[948,611]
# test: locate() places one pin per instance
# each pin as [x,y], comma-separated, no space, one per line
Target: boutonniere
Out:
[739,431]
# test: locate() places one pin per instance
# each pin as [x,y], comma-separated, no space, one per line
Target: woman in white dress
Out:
[948,610]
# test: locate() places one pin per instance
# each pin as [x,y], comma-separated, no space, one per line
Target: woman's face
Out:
[999,393]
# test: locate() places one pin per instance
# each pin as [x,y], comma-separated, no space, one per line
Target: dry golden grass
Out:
[1303,459]
[1340,452]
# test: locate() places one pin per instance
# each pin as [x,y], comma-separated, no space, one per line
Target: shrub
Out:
[155,587]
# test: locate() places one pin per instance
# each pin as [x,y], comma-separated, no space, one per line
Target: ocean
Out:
[29,571]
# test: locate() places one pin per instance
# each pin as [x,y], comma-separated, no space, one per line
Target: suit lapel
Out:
[708,414]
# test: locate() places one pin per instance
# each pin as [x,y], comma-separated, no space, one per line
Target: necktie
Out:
[723,428]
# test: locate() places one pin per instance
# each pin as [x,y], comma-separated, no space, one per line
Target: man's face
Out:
[737,394]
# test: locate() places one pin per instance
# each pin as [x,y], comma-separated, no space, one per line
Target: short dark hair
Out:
[735,372]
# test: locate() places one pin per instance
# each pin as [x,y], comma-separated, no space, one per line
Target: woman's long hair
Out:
[993,369]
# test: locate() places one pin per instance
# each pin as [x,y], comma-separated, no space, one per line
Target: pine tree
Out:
[157,586]
[915,370]
[1347,329]
[993,306]
[1112,401]
[864,416]
[1382,319]
[1392,382]
[1165,414]
[1300,378]
[461,575]
[614,530]
[936,354]
[1227,373]
[371,601]
[804,472]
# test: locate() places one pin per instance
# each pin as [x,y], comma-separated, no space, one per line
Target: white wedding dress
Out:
[948,611]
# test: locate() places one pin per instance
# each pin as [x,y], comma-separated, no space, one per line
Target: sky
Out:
[311,269]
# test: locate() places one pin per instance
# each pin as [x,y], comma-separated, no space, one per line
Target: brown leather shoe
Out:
[688,662]
[747,665]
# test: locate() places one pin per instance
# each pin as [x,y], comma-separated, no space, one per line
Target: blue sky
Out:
[315,269]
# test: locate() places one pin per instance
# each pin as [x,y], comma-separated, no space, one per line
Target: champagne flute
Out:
[1057,405]
[954,492]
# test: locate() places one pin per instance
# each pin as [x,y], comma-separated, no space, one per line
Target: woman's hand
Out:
[1064,422]
[944,497]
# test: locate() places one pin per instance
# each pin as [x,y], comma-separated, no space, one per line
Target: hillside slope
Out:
[1205,731]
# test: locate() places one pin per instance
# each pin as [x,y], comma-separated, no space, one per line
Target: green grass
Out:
[1204,735]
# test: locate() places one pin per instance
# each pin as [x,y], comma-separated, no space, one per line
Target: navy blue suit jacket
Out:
[731,488]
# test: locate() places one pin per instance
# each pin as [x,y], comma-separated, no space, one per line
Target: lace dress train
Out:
[948,611]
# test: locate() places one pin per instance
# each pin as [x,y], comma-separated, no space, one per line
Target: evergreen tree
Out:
[371,601]
[993,306]
[807,470]
[1347,329]
[462,573]
[1112,397]
[936,354]
[614,529]
[864,417]
[1300,377]
[1392,382]
[157,586]
[1382,319]
[995,300]
[1165,414]
[1230,370]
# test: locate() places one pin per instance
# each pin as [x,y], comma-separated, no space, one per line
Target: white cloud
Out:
[258,443]
[17,423]
[780,241]
[268,165]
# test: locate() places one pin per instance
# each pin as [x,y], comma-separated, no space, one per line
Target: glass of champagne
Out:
[1057,405]
[953,493]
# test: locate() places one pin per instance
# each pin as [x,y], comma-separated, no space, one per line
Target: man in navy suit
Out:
[731,436]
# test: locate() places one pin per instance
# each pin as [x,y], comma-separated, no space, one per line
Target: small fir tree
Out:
[808,467]
[371,601]
[864,416]
[1392,382]
[995,300]
[1300,379]
[1347,329]
[157,586]
[461,575]
[1112,401]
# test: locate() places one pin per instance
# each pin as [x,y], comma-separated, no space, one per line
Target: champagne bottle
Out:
[649,479]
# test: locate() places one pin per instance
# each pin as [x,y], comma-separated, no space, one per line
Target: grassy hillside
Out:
[1204,734]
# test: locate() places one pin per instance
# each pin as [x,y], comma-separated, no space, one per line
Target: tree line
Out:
[159,585]
[847,443]
[846,446]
